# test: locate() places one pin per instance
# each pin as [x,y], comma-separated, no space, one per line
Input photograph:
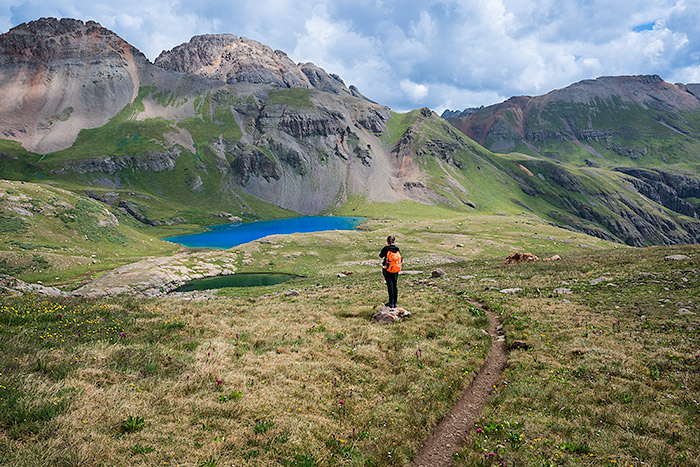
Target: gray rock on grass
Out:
[390,315]
[598,280]
[14,285]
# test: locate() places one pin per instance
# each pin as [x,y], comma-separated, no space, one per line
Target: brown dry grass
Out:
[294,359]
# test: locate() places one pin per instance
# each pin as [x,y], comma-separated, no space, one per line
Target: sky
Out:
[408,54]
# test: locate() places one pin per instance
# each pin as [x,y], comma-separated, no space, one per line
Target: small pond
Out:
[230,235]
[236,280]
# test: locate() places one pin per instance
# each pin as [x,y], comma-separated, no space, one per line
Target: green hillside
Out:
[134,164]
[47,233]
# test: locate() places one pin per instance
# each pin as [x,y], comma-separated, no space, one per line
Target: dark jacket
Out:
[382,254]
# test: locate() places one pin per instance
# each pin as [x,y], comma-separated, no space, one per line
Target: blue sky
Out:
[414,53]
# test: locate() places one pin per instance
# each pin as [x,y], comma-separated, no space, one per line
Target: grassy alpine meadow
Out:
[603,371]
[606,364]
[262,379]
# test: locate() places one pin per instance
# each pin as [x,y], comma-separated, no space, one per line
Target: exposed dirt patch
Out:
[450,434]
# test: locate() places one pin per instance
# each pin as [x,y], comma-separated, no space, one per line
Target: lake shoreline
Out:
[225,236]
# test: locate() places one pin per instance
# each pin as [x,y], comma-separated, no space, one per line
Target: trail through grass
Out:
[604,369]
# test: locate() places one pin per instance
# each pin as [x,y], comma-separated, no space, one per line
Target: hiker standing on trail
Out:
[390,268]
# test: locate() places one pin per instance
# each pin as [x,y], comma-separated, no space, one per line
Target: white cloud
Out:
[414,91]
[439,53]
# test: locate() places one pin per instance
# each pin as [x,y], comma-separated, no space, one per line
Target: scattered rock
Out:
[598,280]
[412,273]
[467,277]
[485,332]
[562,291]
[553,258]
[519,345]
[438,273]
[517,258]
[676,257]
[390,315]
[513,290]
[459,245]
[348,273]
[228,216]
[340,274]
[685,311]
[291,293]
[12,284]
[488,279]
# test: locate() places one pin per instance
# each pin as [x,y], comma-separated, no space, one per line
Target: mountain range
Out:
[223,125]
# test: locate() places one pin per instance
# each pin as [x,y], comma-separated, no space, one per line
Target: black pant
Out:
[391,278]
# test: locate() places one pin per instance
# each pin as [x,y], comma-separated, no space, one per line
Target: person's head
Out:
[390,240]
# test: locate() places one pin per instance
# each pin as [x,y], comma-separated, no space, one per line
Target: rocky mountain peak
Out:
[58,76]
[234,59]
[49,39]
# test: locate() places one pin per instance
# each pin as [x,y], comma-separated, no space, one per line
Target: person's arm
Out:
[382,254]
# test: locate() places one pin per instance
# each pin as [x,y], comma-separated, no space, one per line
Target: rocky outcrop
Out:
[301,126]
[253,162]
[616,212]
[158,276]
[235,59]
[150,161]
[12,285]
[632,223]
[667,189]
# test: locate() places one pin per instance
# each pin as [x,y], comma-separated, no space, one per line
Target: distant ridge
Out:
[619,119]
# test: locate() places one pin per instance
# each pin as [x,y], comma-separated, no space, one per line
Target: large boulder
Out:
[390,315]
[517,258]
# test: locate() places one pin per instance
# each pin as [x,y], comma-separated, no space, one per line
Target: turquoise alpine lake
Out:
[254,279]
[230,235]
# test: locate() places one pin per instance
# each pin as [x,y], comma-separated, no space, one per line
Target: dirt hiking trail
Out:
[450,433]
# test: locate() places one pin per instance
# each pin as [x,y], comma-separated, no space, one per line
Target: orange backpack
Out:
[393,261]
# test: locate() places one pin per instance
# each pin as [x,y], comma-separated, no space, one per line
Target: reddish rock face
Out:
[50,39]
[532,120]
[59,76]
